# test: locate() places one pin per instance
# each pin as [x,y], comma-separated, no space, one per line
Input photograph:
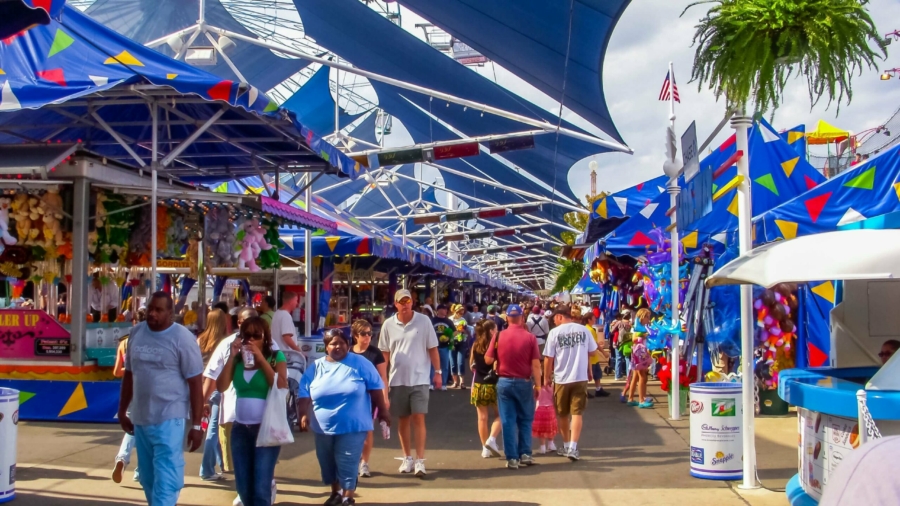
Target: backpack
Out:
[640,357]
[531,324]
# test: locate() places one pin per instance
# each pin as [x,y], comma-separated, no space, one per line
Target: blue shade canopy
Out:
[313,103]
[371,42]
[19,15]
[146,20]
[531,39]
[586,286]
[77,57]
[337,189]
[629,201]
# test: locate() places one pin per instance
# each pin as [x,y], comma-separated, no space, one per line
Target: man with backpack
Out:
[538,325]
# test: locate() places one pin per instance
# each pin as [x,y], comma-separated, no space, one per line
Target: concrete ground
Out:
[629,456]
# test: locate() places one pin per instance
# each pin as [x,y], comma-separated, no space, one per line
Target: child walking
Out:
[545,425]
[640,361]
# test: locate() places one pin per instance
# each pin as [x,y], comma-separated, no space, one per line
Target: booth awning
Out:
[826,134]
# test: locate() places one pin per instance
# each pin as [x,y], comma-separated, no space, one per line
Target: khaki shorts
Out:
[406,401]
[570,398]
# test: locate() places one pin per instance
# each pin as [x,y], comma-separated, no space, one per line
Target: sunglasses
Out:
[253,336]
[882,354]
[369,333]
[404,300]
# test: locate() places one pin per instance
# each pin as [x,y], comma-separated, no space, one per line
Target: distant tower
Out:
[593,166]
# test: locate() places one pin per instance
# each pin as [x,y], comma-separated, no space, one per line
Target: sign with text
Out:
[27,333]
[695,199]
[689,155]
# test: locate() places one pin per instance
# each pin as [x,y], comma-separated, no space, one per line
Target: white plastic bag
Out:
[274,429]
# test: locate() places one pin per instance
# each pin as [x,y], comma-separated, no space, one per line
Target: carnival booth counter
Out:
[857,398]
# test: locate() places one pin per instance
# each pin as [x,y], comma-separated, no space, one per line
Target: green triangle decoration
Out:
[61,41]
[767,182]
[715,188]
[864,181]
[272,107]
[25,397]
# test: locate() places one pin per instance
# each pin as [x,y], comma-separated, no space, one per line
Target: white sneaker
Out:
[364,469]
[542,450]
[550,446]
[237,501]
[407,465]
[118,470]
[486,453]
[492,446]
[443,388]
[274,491]
[420,468]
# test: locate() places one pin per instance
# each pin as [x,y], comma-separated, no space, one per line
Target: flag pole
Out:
[674,190]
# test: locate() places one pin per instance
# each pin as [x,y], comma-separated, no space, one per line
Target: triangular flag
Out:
[99,80]
[640,239]
[221,91]
[648,211]
[363,247]
[825,290]
[767,182]
[788,229]
[794,137]
[715,188]
[602,211]
[733,207]
[124,58]
[864,181]
[897,190]
[789,166]
[252,96]
[272,107]
[661,189]
[332,242]
[52,75]
[2,73]
[851,216]
[61,41]
[77,401]
[25,397]
[640,187]
[622,202]
[810,182]
[171,76]
[8,100]
[287,239]
[719,238]
[817,357]
[815,205]
[690,241]
[768,135]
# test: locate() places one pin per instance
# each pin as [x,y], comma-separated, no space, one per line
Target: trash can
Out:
[716,431]
[9,420]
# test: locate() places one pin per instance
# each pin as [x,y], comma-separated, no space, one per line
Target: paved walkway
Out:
[629,456]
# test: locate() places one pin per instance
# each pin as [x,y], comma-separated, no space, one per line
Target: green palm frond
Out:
[747,49]
[569,276]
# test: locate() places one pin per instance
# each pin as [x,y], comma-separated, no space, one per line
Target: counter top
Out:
[833,392]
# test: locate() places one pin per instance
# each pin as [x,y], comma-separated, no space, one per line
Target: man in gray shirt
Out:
[164,386]
[410,348]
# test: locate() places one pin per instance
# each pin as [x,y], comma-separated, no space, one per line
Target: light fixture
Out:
[885,77]
[225,43]
[175,43]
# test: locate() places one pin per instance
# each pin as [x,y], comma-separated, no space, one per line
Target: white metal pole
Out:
[154,194]
[742,124]
[337,95]
[674,190]
[307,254]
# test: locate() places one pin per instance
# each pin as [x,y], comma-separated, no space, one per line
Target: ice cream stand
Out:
[854,399]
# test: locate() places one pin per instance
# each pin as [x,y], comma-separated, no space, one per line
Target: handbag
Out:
[274,430]
[493,376]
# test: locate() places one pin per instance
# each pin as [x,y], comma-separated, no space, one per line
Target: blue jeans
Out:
[125,453]
[339,457]
[457,362]
[254,467]
[212,452]
[516,405]
[160,449]
[620,364]
[444,354]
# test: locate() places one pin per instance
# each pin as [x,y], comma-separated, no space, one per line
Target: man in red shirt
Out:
[516,351]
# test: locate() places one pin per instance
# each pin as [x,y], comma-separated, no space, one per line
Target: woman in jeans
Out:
[458,346]
[254,467]
[123,458]
[342,387]
[208,340]
[361,332]
[484,389]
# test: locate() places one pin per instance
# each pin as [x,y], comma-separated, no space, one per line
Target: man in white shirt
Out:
[566,357]
[284,332]
[104,298]
[410,348]
[538,325]
[428,309]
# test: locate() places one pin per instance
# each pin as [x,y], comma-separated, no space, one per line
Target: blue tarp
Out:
[146,20]
[586,286]
[314,104]
[76,57]
[372,42]
[531,39]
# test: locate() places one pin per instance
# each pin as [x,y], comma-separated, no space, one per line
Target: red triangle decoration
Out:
[817,357]
[52,75]
[815,205]
[810,184]
[640,239]
[640,187]
[363,247]
[221,91]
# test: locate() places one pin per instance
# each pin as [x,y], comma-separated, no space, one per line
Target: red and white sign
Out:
[29,333]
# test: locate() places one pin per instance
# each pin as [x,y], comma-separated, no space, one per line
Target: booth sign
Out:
[29,333]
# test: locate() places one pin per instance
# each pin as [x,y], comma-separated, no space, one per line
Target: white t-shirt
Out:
[283,324]
[408,345]
[569,345]
[214,368]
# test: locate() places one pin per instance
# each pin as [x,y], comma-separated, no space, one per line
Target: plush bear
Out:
[5,238]
[251,242]
[19,207]
[52,205]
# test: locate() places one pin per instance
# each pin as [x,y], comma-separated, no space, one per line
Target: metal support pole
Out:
[742,124]
[308,261]
[674,190]
[78,297]
[154,194]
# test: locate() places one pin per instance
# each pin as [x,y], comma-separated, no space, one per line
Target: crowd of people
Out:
[532,370]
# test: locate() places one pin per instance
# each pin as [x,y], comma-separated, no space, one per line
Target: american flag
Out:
[664,92]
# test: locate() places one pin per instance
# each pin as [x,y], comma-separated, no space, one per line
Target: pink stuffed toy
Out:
[252,238]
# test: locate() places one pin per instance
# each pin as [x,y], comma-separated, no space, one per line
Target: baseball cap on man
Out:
[514,310]
[399,294]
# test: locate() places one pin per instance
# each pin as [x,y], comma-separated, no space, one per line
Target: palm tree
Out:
[747,49]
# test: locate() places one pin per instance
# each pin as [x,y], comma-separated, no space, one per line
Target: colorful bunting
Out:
[77,401]
[851,216]
[8,100]
[815,205]
[788,229]
[221,91]
[641,239]
[52,75]
[602,211]
[124,58]
[622,203]
[61,41]
[810,183]
[789,165]
[690,241]
[647,211]
[733,207]
[767,182]
[825,290]
[332,242]
[864,181]
[99,80]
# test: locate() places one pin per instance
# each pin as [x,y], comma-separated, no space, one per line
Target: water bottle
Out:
[385,430]
[249,360]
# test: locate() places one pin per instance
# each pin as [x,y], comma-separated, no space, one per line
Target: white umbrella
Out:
[843,255]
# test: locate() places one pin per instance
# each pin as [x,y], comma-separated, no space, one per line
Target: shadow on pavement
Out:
[25,474]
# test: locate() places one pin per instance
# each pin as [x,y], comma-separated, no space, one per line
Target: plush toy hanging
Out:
[775,333]
[114,223]
[249,242]
[219,238]
[139,243]
[270,258]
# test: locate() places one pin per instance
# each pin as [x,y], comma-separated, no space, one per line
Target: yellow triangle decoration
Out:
[171,76]
[733,207]
[124,58]
[601,209]
[690,241]
[77,401]
[788,229]
[825,290]
[2,73]
[794,137]
[897,190]
[789,165]
[332,242]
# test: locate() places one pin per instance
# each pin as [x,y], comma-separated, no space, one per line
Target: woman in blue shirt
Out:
[342,387]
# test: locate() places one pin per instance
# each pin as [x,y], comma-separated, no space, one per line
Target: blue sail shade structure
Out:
[20,15]
[313,103]
[78,57]
[147,20]
[531,39]
[371,42]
